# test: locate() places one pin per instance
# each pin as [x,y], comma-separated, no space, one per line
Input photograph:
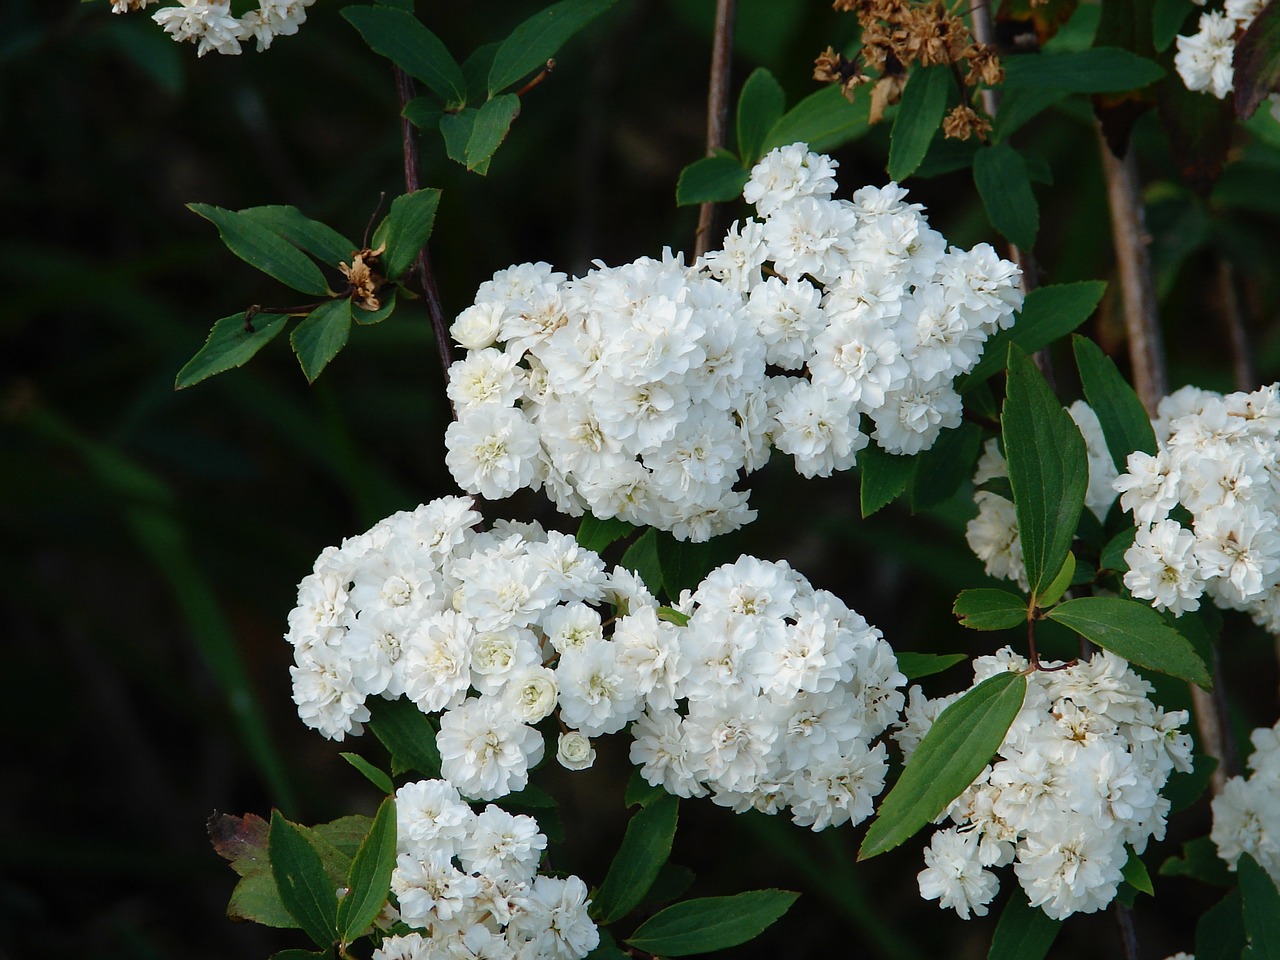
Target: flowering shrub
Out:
[211,25]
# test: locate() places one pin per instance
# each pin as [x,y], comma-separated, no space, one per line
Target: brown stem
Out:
[426,276]
[1128,936]
[984,33]
[717,109]
[1242,368]
[542,75]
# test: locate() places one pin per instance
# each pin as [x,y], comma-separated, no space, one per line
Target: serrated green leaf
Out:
[924,101]
[1220,932]
[1199,861]
[305,889]
[1124,420]
[1167,18]
[1134,631]
[1024,932]
[884,477]
[423,112]
[456,130]
[310,236]
[988,608]
[1261,909]
[489,129]
[683,564]
[964,737]
[406,229]
[1257,61]
[476,70]
[715,179]
[369,881]
[371,773]
[641,791]
[916,665]
[537,39]
[367,318]
[645,848]
[595,534]
[1058,586]
[642,557]
[321,335]
[1047,314]
[944,467]
[1019,107]
[243,841]
[1096,70]
[400,37]
[338,841]
[1000,174]
[228,346]
[760,106]
[1048,469]
[1112,557]
[1136,875]
[264,250]
[407,733]
[711,923]
[824,120]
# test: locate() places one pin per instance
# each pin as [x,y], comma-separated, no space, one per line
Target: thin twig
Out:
[1246,376]
[717,109]
[426,276]
[1128,936]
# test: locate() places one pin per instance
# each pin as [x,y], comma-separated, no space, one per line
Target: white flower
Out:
[954,876]
[1162,567]
[207,23]
[502,846]
[493,451]
[1204,59]
[574,751]
[485,751]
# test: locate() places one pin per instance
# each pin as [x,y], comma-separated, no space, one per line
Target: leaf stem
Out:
[542,75]
[717,109]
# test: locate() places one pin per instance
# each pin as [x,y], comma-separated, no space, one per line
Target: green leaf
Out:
[305,888]
[640,791]
[1134,631]
[318,338]
[1112,557]
[1136,875]
[1019,107]
[1261,909]
[367,318]
[295,954]
[406,229]
[424,112]
[1000,174]
[476,69]
[338,841]
[229,345]
[645,848]
[988,608]
[916,665]
[265,250]
[535,41]
[711,923]
[1182,790]
[824,120]
[671,615]
[1024,932]
[369,881]
[1058,586]
[715,179]
[673,881]
[456,129]
[1124,420]
[885,477]
[683,564]
[964,737]
[760,106]
[607,949]
[1048,469]
[1047,314]
[371,773]
[1167,18]
[408,733]
[489,129]
[1220,932]
[944,467]
[1097,70]
[310,236]
[1257,61]
[594,534]
[642,557]
[924,101]
[243,841]
[401,38]
[398,4]
[1200,861]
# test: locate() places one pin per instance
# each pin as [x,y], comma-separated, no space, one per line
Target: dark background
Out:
[152,540]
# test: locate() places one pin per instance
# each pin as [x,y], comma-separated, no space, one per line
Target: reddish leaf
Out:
[242,840]
[1257,61]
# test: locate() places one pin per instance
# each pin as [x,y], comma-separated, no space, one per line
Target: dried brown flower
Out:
[964,122]
[363,282]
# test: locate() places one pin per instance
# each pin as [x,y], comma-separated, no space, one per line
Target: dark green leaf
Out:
[532,797]
[424,112]
[607,949]
[401,38]
[1182,790]
[1199,861]
[924,101]
[1047,314]
[645,848]
[535,41]
[885,477]
[760,106]
[1261,909]
[1001,177]
[305,889]
[456,130]
[370,879]
[489,129]
[964,737]
[1257,61]
[310,236]
[683,564]
[476,70]
[398,4]
[1048,469]
[367,318]
[243,841]
[916,665]
[338,841]
[824,120]
[406,229]
[1024,932]
[371,773]
[1134,631]
[1019,107]
[641,792]
[301,955]
[408,733]
[318,338]
[1136,875]
[642,557]
[710,923]
[1200,628]
[596,534]
[715,179]
[265,250]
[1112,557]
[1220,932]
[947,156]
[1124,420]
[945,466]
[1097,70]
[987,608]
[229,345]
[1167,19]
[673,881]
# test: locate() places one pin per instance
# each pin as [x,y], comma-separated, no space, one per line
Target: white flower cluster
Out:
[646,391]
[1219,459]
[211,25]
[1077,777]
[772,699]
[470,882]
[1206,59]
[1246,815]
[993,533]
